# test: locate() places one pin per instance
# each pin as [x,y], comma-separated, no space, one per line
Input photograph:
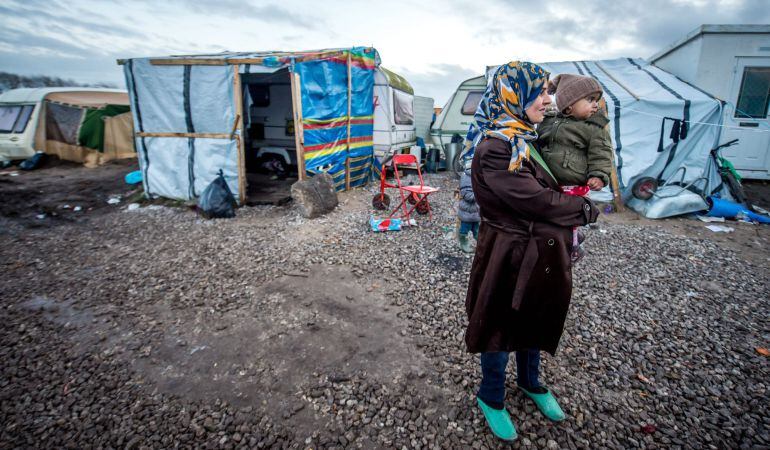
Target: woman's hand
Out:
[596,184]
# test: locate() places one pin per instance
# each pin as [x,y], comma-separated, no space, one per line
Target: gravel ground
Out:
[152,328]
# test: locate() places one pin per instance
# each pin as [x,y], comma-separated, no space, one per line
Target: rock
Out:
[315,196]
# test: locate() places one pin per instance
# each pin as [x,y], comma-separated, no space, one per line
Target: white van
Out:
[20,114]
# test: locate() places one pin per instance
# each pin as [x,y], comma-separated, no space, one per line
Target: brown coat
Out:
[521,279]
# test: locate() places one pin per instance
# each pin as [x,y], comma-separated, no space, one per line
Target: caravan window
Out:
[472,102]
[14,118]
[754,94]
[403,108]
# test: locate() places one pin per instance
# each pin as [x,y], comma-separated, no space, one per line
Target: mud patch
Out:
[300,329]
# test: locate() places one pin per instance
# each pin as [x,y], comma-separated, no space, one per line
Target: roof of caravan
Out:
[711,29]
[266,58]
[479,81]
[397,81]
[27,95]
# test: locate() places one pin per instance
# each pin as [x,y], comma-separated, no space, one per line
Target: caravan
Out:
[86,125]
[456,117]
[394,114]
[731,62]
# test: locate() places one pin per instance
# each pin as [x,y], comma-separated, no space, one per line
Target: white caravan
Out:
[19,116]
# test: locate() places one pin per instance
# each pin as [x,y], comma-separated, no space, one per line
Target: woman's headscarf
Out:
[512,89]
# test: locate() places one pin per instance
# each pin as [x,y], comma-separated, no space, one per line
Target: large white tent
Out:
[644,104]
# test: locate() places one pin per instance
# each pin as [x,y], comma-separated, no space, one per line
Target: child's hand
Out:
[596,184]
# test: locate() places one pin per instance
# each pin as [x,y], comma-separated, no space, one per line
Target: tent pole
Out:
[296,103]
[241,137]
[350,100]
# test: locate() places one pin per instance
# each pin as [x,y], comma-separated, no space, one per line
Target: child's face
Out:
[585,107]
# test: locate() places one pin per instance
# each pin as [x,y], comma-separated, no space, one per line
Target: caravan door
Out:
[747,116]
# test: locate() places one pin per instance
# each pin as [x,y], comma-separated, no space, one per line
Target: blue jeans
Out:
[493,364]
[466,227]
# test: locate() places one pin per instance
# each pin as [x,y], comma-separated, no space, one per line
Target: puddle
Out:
[60,312]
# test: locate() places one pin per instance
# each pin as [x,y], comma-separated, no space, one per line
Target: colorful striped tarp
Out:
[324,89]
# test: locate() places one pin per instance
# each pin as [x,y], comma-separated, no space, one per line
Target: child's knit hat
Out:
[570,88]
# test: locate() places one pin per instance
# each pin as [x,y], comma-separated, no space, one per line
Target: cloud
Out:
[436,46]
[440,81]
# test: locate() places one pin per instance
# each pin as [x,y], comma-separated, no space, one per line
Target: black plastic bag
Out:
[217,201]
[33,162]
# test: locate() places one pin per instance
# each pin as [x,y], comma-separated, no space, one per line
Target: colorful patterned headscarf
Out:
[513,88]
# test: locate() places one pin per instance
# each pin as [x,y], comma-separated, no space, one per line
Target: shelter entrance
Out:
[269,131]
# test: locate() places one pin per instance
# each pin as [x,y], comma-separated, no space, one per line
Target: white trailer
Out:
[732,63]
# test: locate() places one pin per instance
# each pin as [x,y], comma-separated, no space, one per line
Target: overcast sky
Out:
[435,44]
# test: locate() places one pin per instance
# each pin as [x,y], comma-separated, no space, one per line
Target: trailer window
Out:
[754,94]
[403,108]
[14,118]
[472,102]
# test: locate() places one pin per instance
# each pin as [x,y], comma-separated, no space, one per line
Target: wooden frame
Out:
[350,100]
[186,135]
[299,134]
[242,185]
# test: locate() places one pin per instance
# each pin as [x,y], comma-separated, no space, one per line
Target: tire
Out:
[458,166]
[412,199]
[423,208]
[380,202]
[644,188]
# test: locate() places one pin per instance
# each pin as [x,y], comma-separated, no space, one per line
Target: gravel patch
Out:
[153,328]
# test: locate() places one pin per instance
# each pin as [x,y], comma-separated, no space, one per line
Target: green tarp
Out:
[92,130]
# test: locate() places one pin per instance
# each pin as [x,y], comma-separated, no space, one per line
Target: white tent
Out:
[644,103]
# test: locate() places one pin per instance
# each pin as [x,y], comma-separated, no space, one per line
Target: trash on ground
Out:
[40,216]
[384,224]
[710,219]
[33,162]
[113,201]
[134,177]
[217,200]
[730,210]
[77,208]
[133,206]
[720,229]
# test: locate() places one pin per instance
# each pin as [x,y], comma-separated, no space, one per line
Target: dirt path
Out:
[62,191]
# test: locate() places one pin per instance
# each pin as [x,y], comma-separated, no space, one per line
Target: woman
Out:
[521,281]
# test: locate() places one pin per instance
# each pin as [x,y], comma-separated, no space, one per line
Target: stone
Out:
[315,196]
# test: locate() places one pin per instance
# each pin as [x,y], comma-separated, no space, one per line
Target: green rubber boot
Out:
[499,421]
[465,244]
[547,404]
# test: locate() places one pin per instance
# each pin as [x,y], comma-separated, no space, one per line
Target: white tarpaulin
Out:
[183,99]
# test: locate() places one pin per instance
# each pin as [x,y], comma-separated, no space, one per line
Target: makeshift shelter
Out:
[91,126]
[189,115]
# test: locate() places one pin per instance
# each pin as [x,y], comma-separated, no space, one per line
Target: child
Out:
[467,212]
[575,142]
